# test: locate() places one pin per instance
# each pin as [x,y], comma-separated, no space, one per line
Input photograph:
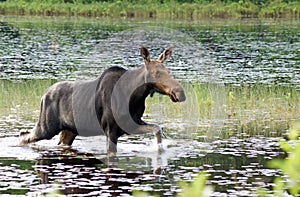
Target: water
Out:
[237,52]
[242,82]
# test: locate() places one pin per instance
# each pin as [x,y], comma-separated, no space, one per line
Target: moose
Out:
[112,104]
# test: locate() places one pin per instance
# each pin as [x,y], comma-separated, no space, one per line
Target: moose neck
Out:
[139,95]
[141,88]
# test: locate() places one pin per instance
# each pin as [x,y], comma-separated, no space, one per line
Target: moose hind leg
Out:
[111,142]
[26,137]
[66,137]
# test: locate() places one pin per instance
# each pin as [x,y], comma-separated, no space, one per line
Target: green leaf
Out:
[294,132]
[278,187]
[285,146]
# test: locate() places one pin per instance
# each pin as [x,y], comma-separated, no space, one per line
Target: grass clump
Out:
[257,109]
[154,8]
[22,98]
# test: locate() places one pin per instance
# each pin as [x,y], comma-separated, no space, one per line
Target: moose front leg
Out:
[151,128]
[112,137]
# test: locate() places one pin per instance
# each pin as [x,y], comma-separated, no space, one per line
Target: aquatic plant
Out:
[54,191]
[22,98]
[197,187]
[256,109]
[290,168]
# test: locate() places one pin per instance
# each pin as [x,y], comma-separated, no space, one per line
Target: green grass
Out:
[257,109]
[22,98]
[153,8]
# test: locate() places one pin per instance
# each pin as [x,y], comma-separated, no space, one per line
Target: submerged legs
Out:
[34,135]
[152,128]
[141,129]
[66,137]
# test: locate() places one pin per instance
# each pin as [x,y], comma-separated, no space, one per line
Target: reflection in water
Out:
[83,173]
[73,175]
[236,165]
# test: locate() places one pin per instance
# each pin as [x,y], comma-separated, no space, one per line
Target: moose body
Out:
[112,104]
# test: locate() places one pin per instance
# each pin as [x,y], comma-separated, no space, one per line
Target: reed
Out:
[22,98]
[257,109]
[153,8]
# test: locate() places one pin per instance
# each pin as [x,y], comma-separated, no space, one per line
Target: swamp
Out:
[242,83]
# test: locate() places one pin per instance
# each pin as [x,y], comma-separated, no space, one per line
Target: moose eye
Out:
[157,74]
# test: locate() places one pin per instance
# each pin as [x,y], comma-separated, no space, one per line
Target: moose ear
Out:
[165,55]
[145,54]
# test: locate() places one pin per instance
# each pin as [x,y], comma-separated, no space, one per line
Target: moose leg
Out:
[159,135]
[34,135]
[26,137]
[111,145]
[66,137]
[151,128]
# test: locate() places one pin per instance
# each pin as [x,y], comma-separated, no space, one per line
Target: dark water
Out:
[229,53]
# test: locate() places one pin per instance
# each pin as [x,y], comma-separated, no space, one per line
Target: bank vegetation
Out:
[155,8]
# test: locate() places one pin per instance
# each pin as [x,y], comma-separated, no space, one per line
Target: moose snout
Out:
[177,95]
[180,96]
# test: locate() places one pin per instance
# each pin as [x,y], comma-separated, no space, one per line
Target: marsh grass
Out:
[256,109]
[22,98]
[262,109]
[153,8]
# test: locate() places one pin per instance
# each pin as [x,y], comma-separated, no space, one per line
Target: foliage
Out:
[255,110]
[197,188]
[54,192]
[154,8]
[22,97]
[137,193]
[290,167]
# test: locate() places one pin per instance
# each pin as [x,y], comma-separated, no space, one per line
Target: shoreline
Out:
[154,9]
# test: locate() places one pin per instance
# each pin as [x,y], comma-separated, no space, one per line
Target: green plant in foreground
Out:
[289,166]
[197,188]
[55,192]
